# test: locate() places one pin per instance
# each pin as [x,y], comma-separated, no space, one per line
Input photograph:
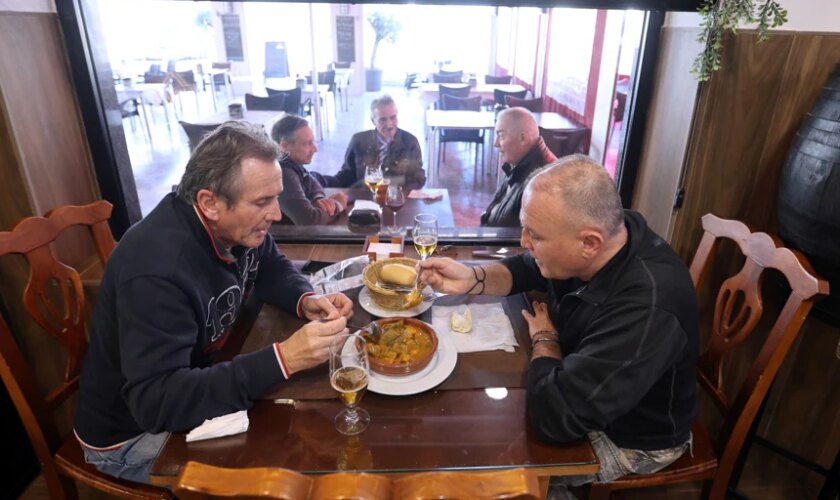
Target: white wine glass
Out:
[373,179]
[425,234]
[349,374]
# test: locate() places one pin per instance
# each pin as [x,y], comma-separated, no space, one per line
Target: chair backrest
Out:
[327,78]
[201,481]
[270,103]
[507,483]
[500,95]
[532,105]
[149,77]
[457,72]
[55,300]
[452,103]
[738,308]
[183,81]
[564,142]
[195,133]
[293,98]
[455,91]
[498,80]
[442,78]
[130,107]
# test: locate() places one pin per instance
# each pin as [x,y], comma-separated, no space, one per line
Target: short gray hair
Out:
[285,128]
[381,102]
[586,190]
[216,163]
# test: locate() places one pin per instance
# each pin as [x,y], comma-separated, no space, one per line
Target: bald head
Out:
[516,133]
[584,190]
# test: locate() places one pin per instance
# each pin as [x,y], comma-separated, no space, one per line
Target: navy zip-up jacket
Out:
[169,297]
[630,343]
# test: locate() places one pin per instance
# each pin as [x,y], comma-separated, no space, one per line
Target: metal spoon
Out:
[373,329]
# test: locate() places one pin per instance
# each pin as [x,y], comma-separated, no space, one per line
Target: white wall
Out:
[803,15]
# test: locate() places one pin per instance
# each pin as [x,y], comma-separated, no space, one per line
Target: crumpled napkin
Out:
[491,329]
[225,425]
[418,194]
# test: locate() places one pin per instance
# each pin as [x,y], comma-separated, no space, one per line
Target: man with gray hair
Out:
[614,350]
[303,201]
[524,152]
[392,148]
[170,295]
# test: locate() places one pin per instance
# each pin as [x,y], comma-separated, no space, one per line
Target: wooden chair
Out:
[271,103]
[199,481]
[566,141]
[498,80]
[195,132]
[54,299]
[532,105]
[737,311]
[507,483]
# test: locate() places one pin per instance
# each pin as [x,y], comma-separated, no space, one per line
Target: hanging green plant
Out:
[720,16]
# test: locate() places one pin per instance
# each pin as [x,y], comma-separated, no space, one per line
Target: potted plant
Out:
[720,16]
[386,29]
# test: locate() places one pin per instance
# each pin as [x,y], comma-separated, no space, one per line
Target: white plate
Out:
[367,303]
[438,369]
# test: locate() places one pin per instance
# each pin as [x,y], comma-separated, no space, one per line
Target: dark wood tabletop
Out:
[440,207]
[440,429]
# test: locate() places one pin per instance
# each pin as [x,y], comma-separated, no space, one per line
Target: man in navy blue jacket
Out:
[170,295]
[614,350]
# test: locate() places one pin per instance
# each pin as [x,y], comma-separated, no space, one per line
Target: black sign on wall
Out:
[345,38]
[233,37]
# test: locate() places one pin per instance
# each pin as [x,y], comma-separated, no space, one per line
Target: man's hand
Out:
[545,341]
[539,321]
[327,205]
[329,306]
[310,346]
[340,197]
[445,275]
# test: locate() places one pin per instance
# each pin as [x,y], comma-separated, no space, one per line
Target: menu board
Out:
[233,37]
[345,38]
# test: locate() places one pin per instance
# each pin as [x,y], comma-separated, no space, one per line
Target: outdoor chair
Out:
[456,77]
[55,300]
[184,81]
[469,136]
[292,103]
[454,91]
[500,95]
[532,105]
[195,133]
[738,309]
[258,103]
[564,142]
[498,80]
[130,108]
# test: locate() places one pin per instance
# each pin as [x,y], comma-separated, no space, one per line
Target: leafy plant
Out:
[386,28]
[720,16]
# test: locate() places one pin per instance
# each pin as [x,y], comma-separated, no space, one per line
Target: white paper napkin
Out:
[225,425]
[366,205]
[491,329]
[417,194]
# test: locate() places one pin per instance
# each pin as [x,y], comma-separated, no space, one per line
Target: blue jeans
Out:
[615,462]
[132,460]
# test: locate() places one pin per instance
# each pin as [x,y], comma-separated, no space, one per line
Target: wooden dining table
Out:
[438,204]
[475,420]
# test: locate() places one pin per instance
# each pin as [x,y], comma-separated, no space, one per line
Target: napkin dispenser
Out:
[365,213]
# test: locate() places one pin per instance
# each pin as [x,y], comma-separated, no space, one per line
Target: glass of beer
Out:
[373,178]
[349,374]
[425,234]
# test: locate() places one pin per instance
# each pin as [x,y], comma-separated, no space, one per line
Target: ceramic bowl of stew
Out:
[405,346]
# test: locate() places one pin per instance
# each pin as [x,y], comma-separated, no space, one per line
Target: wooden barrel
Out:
[809,191]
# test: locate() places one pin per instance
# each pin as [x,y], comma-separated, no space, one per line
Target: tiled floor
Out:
[159,164]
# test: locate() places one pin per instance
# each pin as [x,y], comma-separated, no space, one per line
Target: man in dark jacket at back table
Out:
[394,149]
[519,143]
[614,350]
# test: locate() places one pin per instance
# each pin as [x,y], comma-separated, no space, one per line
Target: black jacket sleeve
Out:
[346,176]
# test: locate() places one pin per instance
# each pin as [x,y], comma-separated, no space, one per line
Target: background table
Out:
[264,118]
[441,208]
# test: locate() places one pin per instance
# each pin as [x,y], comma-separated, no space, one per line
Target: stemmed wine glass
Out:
[425,234]
[373,178]
[395,199]
[349,373]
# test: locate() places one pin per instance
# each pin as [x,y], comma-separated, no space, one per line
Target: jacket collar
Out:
[536,157]
[601,285]
[218,248]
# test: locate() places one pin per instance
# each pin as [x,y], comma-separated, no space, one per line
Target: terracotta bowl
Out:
[405,368]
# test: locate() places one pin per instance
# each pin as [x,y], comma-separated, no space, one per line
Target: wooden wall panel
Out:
[668,129]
